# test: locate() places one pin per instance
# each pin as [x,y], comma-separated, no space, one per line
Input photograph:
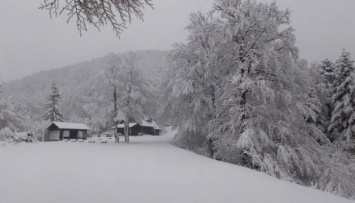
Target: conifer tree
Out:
[342,124]
[327,71]
[52,107]
[326,74]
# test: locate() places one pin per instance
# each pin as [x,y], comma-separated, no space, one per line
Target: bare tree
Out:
[98,12]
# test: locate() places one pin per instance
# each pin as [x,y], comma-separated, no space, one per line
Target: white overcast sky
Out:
[30,41]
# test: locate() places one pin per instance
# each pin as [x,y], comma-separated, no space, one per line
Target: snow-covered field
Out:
[149,169]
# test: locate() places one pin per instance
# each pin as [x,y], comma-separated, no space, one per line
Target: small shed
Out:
[133,128]
[60,130]
[149,128]
[156,131]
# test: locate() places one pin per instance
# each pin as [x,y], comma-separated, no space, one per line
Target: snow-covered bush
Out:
[8,116]
[6,135]
[9,137]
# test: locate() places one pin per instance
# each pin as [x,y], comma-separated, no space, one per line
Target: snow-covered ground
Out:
[149,169]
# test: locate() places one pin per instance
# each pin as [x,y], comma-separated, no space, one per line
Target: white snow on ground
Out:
[149,169]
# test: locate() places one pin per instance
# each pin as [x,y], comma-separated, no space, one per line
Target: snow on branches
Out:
[130,89]
[342,124]
[117,13]
[237,92]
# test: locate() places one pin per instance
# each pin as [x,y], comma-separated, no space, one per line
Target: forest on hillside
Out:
[86,95]
[237,92]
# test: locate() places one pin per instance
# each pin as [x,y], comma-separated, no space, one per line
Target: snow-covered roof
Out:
[122,125]
[144,123]
[69,126]
[151,124]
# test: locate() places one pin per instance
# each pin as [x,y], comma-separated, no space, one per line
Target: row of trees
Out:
[130,93]
[237,92]
[337,88]
[7,115]
[14,117]
[86,94]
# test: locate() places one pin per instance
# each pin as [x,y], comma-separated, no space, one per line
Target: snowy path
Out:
[148,169]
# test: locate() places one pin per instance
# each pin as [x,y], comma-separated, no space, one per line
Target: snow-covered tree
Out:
[309,105]
[194,80]
[342,125]
[52,107]
[90,103]
[117,13]
[263,117]
[238,92]
[323,76]
[8,116]
[326,70]
[132,92]
[113,73]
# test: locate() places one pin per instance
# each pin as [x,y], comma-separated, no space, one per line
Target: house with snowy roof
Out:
[145,127]
[57,131]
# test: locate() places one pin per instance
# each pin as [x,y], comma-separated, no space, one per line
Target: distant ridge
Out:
[80,86]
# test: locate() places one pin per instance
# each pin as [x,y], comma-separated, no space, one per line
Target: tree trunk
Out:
[126,128]
[117,139]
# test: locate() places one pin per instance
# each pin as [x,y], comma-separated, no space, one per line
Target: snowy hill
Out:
[148,169]
[151,63]
[82,88]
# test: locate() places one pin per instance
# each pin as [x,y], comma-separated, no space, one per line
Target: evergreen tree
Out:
[324,84]
[326,70]
[342,124]
[52,107]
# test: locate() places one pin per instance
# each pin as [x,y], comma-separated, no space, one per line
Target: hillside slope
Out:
[148,169]
[82,87]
